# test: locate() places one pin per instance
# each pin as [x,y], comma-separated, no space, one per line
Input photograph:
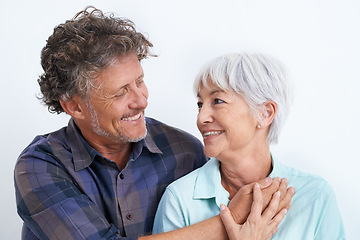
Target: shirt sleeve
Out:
[169,214]
[329,224]
[52,206]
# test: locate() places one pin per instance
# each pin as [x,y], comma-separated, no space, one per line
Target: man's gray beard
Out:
[119,138]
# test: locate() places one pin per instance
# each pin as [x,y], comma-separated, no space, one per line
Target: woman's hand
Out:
[260,224]
[240,204]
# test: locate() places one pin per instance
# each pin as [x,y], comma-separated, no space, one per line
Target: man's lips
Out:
[132,118]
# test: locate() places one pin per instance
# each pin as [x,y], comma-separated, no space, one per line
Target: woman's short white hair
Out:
[256,77]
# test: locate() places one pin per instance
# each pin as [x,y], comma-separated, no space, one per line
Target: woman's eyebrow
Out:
[212,92]
[216,91]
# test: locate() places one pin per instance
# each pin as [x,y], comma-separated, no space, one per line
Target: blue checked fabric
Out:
[66,190]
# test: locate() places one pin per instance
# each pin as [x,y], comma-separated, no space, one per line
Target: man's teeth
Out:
[211,133]
[133,118]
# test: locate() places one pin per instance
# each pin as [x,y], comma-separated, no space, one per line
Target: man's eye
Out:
[218,101]
[139,82]
[199,104]
[120,94]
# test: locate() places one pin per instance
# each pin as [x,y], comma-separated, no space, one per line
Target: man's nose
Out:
[139,98]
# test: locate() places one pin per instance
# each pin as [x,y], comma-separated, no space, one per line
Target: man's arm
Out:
[52,206]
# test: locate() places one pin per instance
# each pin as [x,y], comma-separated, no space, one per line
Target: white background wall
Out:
[317,39]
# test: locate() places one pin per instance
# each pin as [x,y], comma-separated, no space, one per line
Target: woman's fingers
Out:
[269,191]
[258,225]
[275,222]
[266,182]
[261,224]
[286,201]
[272,209]
[230,225]
[257,204]
[283,188]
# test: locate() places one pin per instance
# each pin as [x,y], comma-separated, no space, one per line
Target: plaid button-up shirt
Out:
[65,189]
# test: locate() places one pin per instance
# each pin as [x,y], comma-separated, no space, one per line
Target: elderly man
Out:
[102,176]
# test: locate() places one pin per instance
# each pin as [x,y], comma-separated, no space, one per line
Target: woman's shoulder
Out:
[301,180]
[185,181]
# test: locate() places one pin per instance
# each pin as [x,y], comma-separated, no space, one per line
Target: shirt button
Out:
[121,176]
[128,216]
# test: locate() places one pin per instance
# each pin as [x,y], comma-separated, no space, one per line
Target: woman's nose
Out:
[205,115]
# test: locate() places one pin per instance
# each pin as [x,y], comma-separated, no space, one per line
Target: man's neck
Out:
[119,155]
[117,152]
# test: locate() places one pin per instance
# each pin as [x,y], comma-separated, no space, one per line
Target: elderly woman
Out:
[243,101]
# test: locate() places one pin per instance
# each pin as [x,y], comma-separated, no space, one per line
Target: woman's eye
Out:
[218,101]
[199,104]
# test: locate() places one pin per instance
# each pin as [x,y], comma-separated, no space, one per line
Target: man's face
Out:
[114,112]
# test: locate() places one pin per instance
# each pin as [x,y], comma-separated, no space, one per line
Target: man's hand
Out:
[260,224]
[241,203]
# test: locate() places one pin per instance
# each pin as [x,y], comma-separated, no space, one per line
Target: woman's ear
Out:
[73,107]
[268,115]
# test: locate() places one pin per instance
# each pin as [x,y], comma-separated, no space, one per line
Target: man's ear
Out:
[73,107]
[268,115]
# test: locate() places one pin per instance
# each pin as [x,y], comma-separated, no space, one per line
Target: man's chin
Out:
[138,139]
[120,137]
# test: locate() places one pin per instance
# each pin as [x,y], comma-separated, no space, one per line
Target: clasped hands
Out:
[256,211]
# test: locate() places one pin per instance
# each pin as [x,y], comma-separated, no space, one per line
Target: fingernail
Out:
[222,207]
[257,185]
[268,180]
[285,210]
[278,193]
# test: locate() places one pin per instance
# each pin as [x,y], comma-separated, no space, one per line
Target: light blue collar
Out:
[208,183]
[277,168]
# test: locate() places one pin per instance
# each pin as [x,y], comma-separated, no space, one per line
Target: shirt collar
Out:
[276,168]
[149,143]
[208,183]
[84,154]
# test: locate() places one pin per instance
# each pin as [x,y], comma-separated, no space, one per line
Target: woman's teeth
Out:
[211,133]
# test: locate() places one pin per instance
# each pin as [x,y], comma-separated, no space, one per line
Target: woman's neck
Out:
[245,169]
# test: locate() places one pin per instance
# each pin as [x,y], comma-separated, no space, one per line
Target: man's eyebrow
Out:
[141,76]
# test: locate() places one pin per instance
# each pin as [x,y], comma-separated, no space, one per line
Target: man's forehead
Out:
[112,86]
[122,72]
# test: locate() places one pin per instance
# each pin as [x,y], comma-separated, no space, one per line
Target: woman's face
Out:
[225,122]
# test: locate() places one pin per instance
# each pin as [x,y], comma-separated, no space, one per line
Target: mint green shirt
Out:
[197,196]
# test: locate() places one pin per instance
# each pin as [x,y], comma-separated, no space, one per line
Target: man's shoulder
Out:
[159,129]
[172,141]
[45,146]
[45,141]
